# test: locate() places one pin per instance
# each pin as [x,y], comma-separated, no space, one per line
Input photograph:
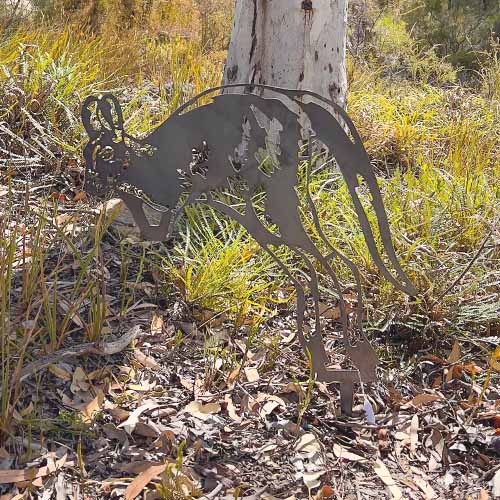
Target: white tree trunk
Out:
[287,44]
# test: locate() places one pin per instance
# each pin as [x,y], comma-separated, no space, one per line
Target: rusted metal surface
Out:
[251,148]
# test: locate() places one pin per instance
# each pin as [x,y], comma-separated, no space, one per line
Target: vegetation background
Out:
[424,92]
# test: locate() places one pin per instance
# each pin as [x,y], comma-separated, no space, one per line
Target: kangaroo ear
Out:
[110,112]
[102,114]
[87,117]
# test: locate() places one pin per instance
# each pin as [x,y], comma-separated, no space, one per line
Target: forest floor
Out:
[192,405]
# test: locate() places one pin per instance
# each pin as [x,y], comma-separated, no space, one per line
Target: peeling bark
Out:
[298,44]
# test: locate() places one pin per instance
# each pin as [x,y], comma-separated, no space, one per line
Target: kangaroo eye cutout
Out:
[107,153]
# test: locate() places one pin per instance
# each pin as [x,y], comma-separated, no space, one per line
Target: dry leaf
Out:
[307,445]
[496,422]
[202,411]
[146,430]
[24,475]
[370,414]
[270,497]
[90,409]
[233,376]
[296,388]
[75,317]
[137,467]
[18,475]
[327,492]
[252,374]
[142,480]
[156,325]
[471,368]
[312,479]
[495,360]
[100,374]
[145,386]
[343,454]
[329,312]
[383,473]
[453,357]
[66,222]
[131,422]
[414,434]
[425,487]
[496,484]
[199,387]
[231,409]
[80,196]
[79,382]
[424,399]
[29,409]
[289,338]
[434,359]
[119,414]
[309,460]
[60,372]
[186,383]
[456,372]
[270,403]
[112,432]
[144,360]
[64,219]
[112,208]
[483,495]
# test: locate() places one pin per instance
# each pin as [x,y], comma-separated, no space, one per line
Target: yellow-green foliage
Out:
[218,268]
[405,124]
[48,70]
[46,73]
[438,152]
[395,51]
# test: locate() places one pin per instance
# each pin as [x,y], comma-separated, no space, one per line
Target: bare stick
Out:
[466,270]
[96,348]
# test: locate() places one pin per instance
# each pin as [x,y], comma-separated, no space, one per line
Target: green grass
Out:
[217,267]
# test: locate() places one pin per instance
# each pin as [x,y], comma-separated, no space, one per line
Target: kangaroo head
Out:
[110,150]
[105,153]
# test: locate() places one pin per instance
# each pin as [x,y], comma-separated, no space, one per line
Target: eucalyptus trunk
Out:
[294,44]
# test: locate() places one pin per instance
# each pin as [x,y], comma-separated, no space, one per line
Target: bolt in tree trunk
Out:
[299,44]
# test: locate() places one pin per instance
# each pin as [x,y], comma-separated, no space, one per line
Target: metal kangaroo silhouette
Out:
[252,146]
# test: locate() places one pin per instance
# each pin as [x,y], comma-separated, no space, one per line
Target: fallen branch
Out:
[89,348]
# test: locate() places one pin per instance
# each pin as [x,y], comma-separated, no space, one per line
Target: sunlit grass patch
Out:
[404,124]
[218,267]
[47,73]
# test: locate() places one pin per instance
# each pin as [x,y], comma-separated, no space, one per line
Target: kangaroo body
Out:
[198,153]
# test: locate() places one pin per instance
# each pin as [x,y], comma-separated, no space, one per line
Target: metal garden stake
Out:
[250,147]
